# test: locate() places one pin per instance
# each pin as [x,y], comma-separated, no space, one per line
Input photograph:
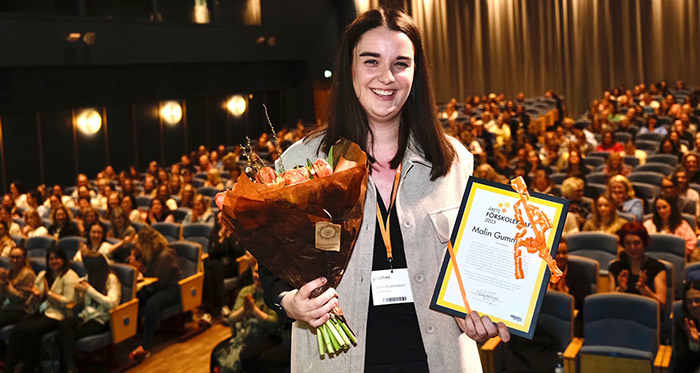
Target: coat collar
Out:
[414,154]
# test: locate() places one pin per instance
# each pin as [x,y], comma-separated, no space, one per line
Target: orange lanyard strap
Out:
[384,226]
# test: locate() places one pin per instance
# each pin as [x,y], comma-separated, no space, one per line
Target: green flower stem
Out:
[348,332]
[336,345]
[327,340]
[340,330]
[321,347]
[334,333]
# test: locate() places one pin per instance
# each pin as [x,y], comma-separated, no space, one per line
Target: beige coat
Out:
[427,211]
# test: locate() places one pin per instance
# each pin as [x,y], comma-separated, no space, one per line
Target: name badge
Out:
[391,287]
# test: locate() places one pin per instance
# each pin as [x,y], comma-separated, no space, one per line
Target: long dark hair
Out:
[674,220]
[97,271]
[58,251]
[419,114]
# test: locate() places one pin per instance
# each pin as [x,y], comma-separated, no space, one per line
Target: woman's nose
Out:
[387,76]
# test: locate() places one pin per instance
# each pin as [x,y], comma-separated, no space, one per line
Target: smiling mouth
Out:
[383,92]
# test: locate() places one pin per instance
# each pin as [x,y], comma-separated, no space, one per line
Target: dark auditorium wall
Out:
[135,64]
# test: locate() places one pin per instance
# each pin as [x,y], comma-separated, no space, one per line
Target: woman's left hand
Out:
[641,282]
[482,328]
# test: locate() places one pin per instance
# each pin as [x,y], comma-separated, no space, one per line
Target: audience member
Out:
[159,213]
[667,219]
[214,179]
[200,212]
[54,289]
[620,191]
[635,272]
[63,224]
[129,206]
[608,143]
[13,228]
[98,294]
[33,225]
[163,194]
[17,194]
[6,241]
[153,257]
[686,339]
[681,181]
[615,166]
[605,218]
[15,288]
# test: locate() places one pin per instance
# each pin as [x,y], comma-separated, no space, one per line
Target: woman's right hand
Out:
[622,280]
[314,311]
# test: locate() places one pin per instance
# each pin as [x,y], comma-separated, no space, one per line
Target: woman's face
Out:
[618,191]
[574,158]
[673,136]
[90,217]
[199,206]
[60,216]
[667,147]
[17,258]
[163,192]
[156,207]
[682,180]
[691,163]
[382,73]
[607,139]
[119,221]
[126,204]
[604,207]
[188,193]
[113,200]
[663,208]
[55,262]
[634,246]
[692,300]
[615,161]
[96,233]
[32,221]
[532,157]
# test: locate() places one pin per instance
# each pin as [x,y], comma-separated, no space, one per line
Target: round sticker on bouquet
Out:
[327,236]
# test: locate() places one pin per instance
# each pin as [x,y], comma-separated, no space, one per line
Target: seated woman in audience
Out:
[96,243]
[163,194]
[113,200]
[90,217]
[54,288]
[9,204]
[33,225]
[635,272]
[667,219]
[255,331]
[631,149]
[682,182]
[541,183]
[534,163]
[13,228]
[690,163]
[686,339]
[128,187]
[669,147]
[159,213]
[605,218]
[214,179]
[121,225]
[502,165]
[620,191]
[98,294]
[575,166]
[200,213]
[129,207]
[149,186]
[15,287]
[163,177]
[65,200]
[17,194]
[175,184]
[187,196]
[34,201]
[651,126]
[154,258]
[63,224]
[6,241]
[608,143]
[615,166]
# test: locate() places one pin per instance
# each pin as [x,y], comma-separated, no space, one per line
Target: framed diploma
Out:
[499,245]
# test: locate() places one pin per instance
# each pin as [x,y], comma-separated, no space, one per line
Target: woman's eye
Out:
[402,64]
[371,62]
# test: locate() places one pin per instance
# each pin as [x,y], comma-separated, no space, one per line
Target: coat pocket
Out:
[443,220]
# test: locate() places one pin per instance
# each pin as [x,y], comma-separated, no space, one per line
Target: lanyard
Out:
[384,226]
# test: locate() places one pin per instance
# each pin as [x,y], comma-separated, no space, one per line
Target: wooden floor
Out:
[184,357]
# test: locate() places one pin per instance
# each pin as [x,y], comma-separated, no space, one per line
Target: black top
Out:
[651,265]
[577,283]
[69,229]
[393,333]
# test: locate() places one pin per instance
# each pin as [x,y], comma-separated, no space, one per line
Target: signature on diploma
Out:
[485,296]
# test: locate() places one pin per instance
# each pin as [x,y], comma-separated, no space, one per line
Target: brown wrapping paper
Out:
[277,223]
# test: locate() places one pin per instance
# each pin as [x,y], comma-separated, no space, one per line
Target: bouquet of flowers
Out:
[302,224]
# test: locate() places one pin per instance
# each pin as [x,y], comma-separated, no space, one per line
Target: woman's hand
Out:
[314,311]
[642,281]
[692,331]
[482,328]
[622,279]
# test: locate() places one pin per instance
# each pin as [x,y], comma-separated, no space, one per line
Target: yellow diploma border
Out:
[525,327]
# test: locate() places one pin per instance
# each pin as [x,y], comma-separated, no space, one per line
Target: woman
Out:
[159,213]
[608,143]
[55,288]
[33,225]
[99,293]
[96,243]
[667,219]
[575,166]
[175,183]
[18,195]
[63,224]
[682,183]
[580,207]
[129,207]
[113,200]
[605,218]
[6,241]
[635,272]
[154,258]
[255,330]
[187,196]
[200,213]
[620,191]
[614,165]
[90,217]
[541,183]
[121,225]
[690,163]
[15,285]
[163,194]
[214,179]
[669,147]
[382,101]
[686,337]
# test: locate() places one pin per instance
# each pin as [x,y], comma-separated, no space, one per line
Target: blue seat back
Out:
[672,249]
[4,262]
[127,277]
[143,201]
[38,246]
[678,313]
[79,268]
[663,168]
[180,213]
[591,267]
[597,178]
[171,231]
[138,226]
[599,246]
[647,177]
[207,191]
[668,159]
[691,272]
[557,317]
[197,230]
[37,264]
[188,255]
[19,241]
[621,320]
[71,244]
[631,160]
